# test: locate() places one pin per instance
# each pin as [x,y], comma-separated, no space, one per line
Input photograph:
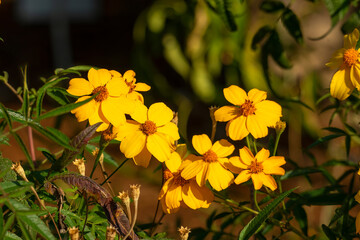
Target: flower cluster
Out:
[147,132]
[347,61]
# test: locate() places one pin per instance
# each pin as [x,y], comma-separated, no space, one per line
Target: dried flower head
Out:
[184,232]
[124,196]
[280,127]
[108,135]
[74,233]
[95,152]
[80,164]
[135,191]
[110,233]
[19,170]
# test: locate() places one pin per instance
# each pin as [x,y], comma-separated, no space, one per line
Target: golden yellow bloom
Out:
[211,165]
[111,103]
[258,168]
[347,61]
[251,113]
[177,192]
[150,133]
[133,87]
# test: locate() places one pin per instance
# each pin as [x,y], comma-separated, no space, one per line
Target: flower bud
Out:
[280,127]
[19,170]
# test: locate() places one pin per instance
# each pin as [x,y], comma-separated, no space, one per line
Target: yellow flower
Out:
[258,168]
[251,113]
[211,165]
[150,133]
[132,87]
[177,192]
[347,60]
[111,95]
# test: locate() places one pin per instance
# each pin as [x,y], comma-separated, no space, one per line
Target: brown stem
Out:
[31,143]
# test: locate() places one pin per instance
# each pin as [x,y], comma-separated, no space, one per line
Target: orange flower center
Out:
[247,108]
[210,156]
[148,127]
[256,167]
[350,57]
[178,180]
[167,174]
[103,93]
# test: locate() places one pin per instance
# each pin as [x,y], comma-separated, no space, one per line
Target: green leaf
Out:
[59,95]
[292,25]
[271,6]
[11,236]
[32,220]
[299,172]
[12,186]
[275,48]
[324,139]
[347,145]
[328,232]
[64,109]
[301,217]
[223,8]
[351,23]
[337,9]
[5,114]
[23,148]
[335,130]
[260,35]
[331,163]
[8,224]
[5,169]
[41,93]
[258,220]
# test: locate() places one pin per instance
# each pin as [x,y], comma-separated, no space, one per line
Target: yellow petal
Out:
[341,86]
[174,162]
[262,155]
[275,161]
[246,156]
[192,169]
[337,59]
[268,181]
[85,111]
[219,178]
[115,73]
[256,126]
[160,114]
[182,150]
[128,128]
[142,87]
[350,40]
[235,165]
[236,129]
[223,148]
[203,175]
[98,77]
[256,95]
[257,181]
[269,112]
[201,143]
[116,87]
[273,170]
[133,144]
[140,113]
[357,223]
[242,177]
[173,196]
[235,95]
[116,117]
[143,158]
[99,117]
[355,75]
[80,87]
[135,96]
[159,146]
[165,187]
[129,75]
[196,197]
[170,129]
[226,113]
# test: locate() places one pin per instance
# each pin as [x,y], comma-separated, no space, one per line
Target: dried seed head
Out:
[80,164]
[74,233]
[124,196]
[110,233]
[95,152]
[135,191]
[184,232]
[108,134]
[19,170]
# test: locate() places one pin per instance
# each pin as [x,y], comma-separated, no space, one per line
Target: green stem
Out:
[254,144]
[101,150]
[114,171]
[248,142]
[276,143]
[255,201]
